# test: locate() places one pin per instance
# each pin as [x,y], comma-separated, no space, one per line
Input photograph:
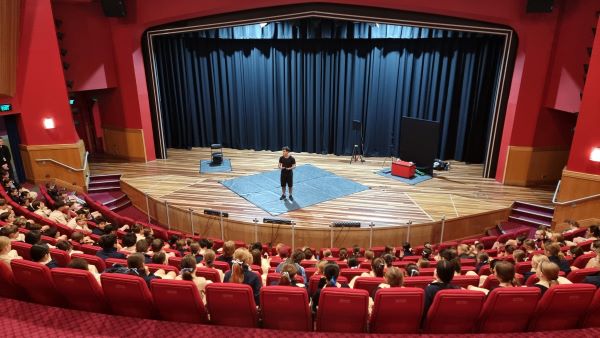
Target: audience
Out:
[6,252]
[41,254]
[109,245]
[207,262]
[240,272]
[548,274]
[228,250]
[82,264]
[288,276]
[331,273]
[444,273]
[188,272]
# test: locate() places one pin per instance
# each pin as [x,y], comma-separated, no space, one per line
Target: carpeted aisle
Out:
[312,185]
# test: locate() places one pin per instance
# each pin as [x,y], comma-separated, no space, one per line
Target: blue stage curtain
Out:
[302,83]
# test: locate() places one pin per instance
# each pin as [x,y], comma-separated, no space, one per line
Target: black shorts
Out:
[287,177]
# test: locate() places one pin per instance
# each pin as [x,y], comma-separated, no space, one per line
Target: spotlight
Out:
[63,52]
[70,84]
[277,220]
[66,65]
[57,23]
[595,155]
[215,213]
[60,35]
[263,24]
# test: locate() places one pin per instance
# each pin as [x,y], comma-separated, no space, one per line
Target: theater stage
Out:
[454,194]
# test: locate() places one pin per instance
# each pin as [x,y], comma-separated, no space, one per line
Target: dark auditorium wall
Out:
[531,108]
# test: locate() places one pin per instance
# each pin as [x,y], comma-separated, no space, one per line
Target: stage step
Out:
[124,204]
[103,189]
[105,177]
[528,221]
[116,201]
[104,183]
[538,208]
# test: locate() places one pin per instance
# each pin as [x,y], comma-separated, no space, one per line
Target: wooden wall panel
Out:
[9,44]
[69,154]
[526,166]
[576,185]
[125,143]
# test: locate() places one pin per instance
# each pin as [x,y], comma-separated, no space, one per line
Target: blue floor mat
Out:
[387,172]
[312,185]
[205,167]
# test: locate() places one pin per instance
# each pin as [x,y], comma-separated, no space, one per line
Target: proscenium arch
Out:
[347,13]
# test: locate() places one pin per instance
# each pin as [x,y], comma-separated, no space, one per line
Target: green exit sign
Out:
[5,107]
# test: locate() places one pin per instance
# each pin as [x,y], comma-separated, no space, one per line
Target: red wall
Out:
[587,132]
[88,43]
[41,91]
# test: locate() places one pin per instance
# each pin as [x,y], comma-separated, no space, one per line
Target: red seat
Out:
[113,261]
[582,260]
[523,267]
[418,281]
[175,261]
[389,303]
[8,285]
[209,274]
[568,236]
[368,283]
[342,310]
[22,248]
[342,265]
[411,259]
[366,265]
[313,283]
[464,281]
[508,309]
[128,295]
[276,276]
[256,268]
[587,245]
[80,288]
[285,308]
[454,311]
[465,269]
[93,260]
[178,301]
[231,304]
[351,273]
[488,241]
[90,249]
[426,271]
[467,262]
[592,319]
[561,307]
[309,272]
[577,276]
[485,270]
[447,245]
[62,258]
[308,264]
[223,266]
[35,278]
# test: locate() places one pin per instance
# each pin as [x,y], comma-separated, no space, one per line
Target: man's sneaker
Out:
[282,197]
[291,198]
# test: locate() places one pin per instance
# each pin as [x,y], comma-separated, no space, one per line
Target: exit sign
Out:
[5,107]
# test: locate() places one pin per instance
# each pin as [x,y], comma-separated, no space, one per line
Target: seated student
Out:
[137,231]
[188,272]
[205,244]
[6,252]
[412,269]
[41,254]
[60,214]
[288,277]
[82,264]
[101,224]
[160,258]
[67,247]
[388,259]
[109,248]
[481,260]
[157,245]
[548,275]
[377,270]
[195,252]
[529,246]
[356,251]
[7,217]
[393,278]
[343,255]
[228,250]
[327,255]
[320,267]
[423,263]
[353,262]
[295,259]
[207,262]
[80,238]
[12,232]
[128,242]
[369,255]
[556,256]
[331,272]
[519,256]
[505,273]
[240,272]
[592,233]
[464,251]
[283,251]
[35,237]
[136,267]
[79,223]
[141,247]
[406,250]
[444,273]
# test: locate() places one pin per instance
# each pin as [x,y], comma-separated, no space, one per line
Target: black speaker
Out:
[540,6]
[114,8]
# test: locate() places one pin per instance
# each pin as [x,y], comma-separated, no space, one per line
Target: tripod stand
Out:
[357,150]
[391,153]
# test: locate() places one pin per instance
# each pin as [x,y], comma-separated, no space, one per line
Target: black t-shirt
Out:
[287,162]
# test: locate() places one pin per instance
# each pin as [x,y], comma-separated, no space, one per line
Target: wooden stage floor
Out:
[455,193]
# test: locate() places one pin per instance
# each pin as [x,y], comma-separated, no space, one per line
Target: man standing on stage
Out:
[287,163]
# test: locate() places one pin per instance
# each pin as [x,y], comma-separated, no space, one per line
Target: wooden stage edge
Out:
[176,193]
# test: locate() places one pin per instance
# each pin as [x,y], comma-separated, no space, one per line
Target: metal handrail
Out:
[573,201]
[85,163]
